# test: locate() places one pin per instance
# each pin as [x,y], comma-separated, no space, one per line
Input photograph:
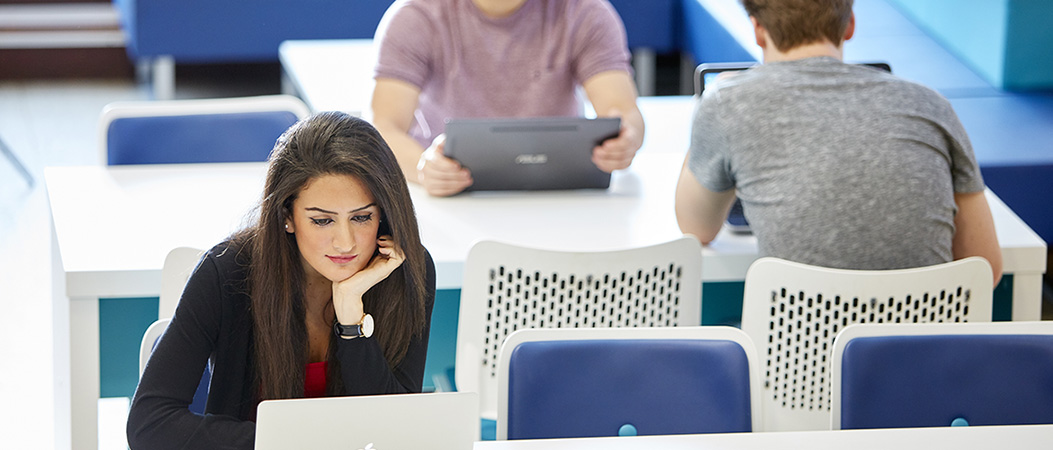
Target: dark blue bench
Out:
[161,33]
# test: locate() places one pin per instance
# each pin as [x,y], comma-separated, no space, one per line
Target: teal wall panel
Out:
[122,322]
[1029,46]
[722,303]
[1002,307]
[442,344]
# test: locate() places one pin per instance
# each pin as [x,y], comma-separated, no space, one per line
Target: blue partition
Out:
[706,36]
[226,31]
[652,24]
[1007,41]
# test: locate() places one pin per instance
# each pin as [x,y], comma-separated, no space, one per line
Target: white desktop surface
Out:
[311,68]
[957,438]
[114,225]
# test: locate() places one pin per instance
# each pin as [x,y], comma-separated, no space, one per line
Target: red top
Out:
[314,379]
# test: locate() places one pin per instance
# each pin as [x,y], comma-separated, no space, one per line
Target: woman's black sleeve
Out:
[159,417]
[364,369]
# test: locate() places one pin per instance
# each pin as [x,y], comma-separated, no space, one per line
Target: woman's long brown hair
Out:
[324,144]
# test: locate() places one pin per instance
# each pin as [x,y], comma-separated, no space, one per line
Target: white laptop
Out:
[441,421]
[534,153]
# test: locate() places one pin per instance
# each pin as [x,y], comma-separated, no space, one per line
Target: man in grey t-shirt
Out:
[837,165]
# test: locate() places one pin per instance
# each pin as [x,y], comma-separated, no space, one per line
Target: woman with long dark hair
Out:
[329,293]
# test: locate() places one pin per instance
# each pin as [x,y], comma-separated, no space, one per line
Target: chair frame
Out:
[857,331]
[723,333]
[150,337]
[179,265]
[477,353]
[769,276]
[194,107]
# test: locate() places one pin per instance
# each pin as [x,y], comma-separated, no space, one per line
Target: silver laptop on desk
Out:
[446,421]
[530,153]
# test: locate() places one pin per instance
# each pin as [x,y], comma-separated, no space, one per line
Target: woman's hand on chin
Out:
[347,294]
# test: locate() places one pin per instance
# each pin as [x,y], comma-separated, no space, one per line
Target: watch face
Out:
[367,325]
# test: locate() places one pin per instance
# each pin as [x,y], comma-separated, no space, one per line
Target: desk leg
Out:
[1027,296]
[60,348]
[84,369]
[76,348]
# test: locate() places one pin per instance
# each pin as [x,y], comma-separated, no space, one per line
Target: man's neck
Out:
[825,48]
[498,8]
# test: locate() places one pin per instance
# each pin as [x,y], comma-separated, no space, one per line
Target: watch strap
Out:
[347,331]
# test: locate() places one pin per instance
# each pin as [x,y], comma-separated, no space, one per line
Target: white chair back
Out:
[793,312]
[150,337]
[179,264]
[507,287]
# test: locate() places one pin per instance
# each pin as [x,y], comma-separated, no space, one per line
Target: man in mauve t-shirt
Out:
[441,59]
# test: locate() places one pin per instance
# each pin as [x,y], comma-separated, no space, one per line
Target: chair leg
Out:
[162,77]
[687,74]
[644,63]
[17,163]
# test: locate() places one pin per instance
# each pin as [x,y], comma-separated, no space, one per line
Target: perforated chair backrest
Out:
[178,266]
[931,375]
[592,382]
[507,287]
[146,348]
[196,131]
[793,312]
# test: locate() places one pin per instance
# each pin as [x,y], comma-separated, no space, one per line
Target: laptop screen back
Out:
[448,420]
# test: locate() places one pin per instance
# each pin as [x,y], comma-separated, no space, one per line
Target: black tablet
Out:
[538,153]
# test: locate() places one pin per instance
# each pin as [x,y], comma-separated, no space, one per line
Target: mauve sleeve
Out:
[600,42]
[404,45]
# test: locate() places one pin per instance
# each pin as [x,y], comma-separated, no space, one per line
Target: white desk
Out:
[113,226]
[312,68]
[958,438]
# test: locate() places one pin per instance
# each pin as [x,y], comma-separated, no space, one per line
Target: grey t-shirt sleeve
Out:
[708,152]
[965,172]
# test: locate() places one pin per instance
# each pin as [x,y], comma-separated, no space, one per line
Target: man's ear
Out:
[759,33]
[850,30]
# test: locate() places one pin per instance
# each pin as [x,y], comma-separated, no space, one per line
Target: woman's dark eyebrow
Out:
[364,207]
[314,208]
